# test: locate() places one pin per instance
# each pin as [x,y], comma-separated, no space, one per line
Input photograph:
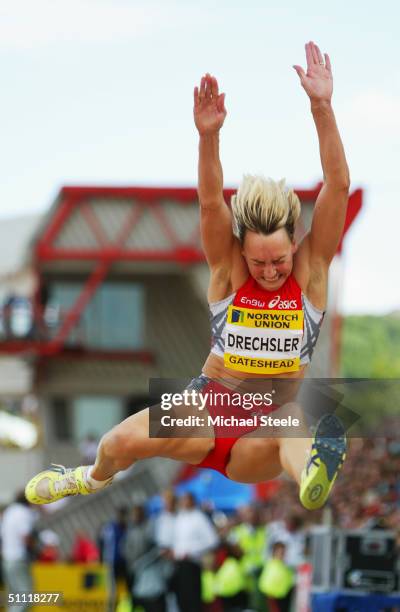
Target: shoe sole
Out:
[330,444]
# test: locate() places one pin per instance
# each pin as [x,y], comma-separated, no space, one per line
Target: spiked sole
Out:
[329,447]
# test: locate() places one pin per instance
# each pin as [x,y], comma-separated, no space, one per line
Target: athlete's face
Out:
[269,258]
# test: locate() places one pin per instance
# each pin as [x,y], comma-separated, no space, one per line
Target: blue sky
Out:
[100,92]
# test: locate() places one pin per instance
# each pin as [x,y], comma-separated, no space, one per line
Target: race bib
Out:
[263,341]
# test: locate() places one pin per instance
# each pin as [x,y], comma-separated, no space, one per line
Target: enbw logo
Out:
[237,316]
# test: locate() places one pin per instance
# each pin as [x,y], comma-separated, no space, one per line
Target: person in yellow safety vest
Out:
[251,536]
[277,580]
[208,595]
[228,582]
[124,605]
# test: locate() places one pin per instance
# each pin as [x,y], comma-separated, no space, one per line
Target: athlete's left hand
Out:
[317,81]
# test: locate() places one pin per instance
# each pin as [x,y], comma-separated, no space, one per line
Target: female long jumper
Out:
[257,273]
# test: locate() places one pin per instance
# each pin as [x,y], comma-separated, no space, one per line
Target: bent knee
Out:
[120,442]
[198,449]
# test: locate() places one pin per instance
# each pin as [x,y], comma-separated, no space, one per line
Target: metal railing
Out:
[89,513]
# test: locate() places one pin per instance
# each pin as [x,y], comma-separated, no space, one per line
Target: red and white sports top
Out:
[265,332]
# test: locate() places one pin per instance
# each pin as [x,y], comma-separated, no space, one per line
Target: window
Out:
[95,415]
[61,418]
[114,318]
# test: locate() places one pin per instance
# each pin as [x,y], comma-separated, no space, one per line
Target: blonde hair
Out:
[264,206]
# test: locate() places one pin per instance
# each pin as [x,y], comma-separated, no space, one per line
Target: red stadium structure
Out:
[101,250]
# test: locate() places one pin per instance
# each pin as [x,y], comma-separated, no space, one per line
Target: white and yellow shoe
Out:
[57,482]
[328,453]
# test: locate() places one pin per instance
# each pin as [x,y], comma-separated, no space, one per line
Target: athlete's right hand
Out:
[209,106]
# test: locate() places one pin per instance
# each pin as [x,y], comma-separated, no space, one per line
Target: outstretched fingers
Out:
[196,97]
[202,92]
[309,56]
[221,103]
[300,72]
[327,62]
[208,89]
[208,86]
[214,87]
[320,59]
[207,96]
[314,52]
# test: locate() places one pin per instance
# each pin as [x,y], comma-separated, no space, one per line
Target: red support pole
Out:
[93,224]
[94,280]
[158,212]
[61,214]
[133,218]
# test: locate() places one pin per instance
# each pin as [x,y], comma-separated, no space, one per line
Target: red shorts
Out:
[230,404]
[218,458]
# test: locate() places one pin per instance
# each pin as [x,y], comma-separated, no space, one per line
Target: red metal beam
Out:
[158,212]
[183,253]
[88,290]
[19,347]
[40,348]
[57,221]
[152,194]
[73,197]
[93,224]
[183,195]
[122,355]
[133,218]
[353,208]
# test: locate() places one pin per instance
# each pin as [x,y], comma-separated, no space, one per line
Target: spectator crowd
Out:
[197,559]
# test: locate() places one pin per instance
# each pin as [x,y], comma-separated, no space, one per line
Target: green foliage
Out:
[371,347]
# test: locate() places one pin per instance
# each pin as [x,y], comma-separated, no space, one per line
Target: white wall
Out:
[16,468]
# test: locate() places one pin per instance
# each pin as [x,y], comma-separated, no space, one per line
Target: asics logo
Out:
[282,304]
[274,301]
[315,493]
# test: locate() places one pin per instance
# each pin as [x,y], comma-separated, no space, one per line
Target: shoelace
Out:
[56,467]
[313,461]
[69,484]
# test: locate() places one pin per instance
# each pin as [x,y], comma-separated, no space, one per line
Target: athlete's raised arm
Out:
[216,221]
[331,205]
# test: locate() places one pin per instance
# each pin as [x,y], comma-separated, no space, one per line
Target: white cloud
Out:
[25,24]
[373,110]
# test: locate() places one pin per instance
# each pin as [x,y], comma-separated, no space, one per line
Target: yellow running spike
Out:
[57,482]
[328,453]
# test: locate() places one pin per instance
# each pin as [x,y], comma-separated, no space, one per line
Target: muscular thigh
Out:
[254,459]
[135,432]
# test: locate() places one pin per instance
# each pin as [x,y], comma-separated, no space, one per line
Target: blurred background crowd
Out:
[173,553]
